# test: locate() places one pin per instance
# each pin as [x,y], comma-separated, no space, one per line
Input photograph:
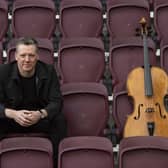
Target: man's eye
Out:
[22,56]
[31,55]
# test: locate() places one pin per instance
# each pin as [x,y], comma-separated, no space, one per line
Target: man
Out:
[30,97]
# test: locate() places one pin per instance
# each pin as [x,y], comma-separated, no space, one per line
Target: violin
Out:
[147,86]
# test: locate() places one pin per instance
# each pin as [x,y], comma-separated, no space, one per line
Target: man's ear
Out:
[15,56]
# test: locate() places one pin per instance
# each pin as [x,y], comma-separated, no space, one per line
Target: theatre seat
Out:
[90,152]
[3,18]
[34,152]
[123,17]
[127,54]
[33,18]
[145,151]
[85,108]
[160,19]
[81,18]
[81,60]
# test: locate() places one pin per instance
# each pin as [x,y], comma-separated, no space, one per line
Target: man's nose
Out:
[27,58]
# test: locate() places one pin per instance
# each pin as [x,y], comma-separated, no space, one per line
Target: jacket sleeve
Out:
[55,98]
[2,95]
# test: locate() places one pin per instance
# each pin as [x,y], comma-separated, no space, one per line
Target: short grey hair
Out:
[27,41]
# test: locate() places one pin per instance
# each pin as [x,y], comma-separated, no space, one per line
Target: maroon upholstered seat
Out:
[81,18]
[33,18]
[90,152]
[145,151]
[127,54]
[81,60]
[34,152]
[3,18]
[123,17]
[85,108]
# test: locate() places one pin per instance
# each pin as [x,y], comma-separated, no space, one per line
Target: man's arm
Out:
[24,118]
[2,92]
[55,98]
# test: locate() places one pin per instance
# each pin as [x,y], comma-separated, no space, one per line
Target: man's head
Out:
[26,56]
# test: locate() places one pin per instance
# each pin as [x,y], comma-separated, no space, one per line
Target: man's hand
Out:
[23,117]
[34,116]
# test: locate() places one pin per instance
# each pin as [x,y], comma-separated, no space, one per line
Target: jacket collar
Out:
[40,72]
[14,72]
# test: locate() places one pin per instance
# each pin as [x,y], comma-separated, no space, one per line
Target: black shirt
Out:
[30,100]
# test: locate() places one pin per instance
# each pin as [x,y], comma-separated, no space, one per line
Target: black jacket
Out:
[47,86]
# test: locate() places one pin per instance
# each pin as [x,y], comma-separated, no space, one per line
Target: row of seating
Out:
[86,56]
[91,152]
[114,23]
[81,18]
[97,152]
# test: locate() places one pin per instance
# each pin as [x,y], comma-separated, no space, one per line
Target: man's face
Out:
[26,57]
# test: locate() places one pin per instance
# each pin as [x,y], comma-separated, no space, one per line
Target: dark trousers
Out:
[55,130]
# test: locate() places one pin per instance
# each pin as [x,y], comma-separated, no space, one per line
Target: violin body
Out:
[149,117]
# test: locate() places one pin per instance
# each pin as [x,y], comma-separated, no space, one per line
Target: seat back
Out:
[123,17]
[122,106]
[81,18]
[147,151]
[33,18]
[160,19]
[85,108]
[160,11]
[90,152]
[81,60]
[3,18]
[127,54]
[34,152]
[164,56]
[45,51]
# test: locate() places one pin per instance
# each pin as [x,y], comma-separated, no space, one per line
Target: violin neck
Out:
[147,70]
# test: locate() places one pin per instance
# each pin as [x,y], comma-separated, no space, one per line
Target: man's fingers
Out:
[24,121]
